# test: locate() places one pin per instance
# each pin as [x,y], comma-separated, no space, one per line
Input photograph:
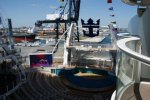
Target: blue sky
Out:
[27,12]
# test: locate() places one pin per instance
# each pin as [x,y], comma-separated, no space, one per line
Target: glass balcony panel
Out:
[133,72]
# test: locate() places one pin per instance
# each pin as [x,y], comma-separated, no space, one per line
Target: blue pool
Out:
[80,81]
[107,40]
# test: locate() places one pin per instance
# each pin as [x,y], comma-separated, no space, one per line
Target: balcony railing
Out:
[132,70]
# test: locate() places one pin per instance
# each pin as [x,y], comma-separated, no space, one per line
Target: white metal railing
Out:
[68,43]
[71,43]
[122,46]
[131,65]
[94,45]
[60,40]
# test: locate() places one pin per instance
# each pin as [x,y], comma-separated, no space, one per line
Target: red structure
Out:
[109,1]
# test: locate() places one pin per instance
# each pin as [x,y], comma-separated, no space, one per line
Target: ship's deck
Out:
[138,91]
[41,84]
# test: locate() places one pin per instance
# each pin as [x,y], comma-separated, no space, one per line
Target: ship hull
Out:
[24,37]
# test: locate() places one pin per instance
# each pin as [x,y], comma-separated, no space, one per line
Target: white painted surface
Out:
[122,45]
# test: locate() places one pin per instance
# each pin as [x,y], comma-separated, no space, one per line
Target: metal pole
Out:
[65,30]
[57,36]
[10,34]
[77,32]
[70,8]
[10,27]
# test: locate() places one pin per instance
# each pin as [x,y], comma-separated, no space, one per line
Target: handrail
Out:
[59,40]
[68,40]
[68,43]
[122,46]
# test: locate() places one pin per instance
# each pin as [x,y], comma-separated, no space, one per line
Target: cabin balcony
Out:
[132,71]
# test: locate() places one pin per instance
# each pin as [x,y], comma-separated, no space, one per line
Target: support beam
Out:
[77,32]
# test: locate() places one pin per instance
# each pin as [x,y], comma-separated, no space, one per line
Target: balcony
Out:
[132,71]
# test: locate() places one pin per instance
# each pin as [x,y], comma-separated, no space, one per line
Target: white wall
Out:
[141,26]
[133,25]
[145,32]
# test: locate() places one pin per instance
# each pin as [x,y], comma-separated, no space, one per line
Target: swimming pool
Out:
[109,80]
